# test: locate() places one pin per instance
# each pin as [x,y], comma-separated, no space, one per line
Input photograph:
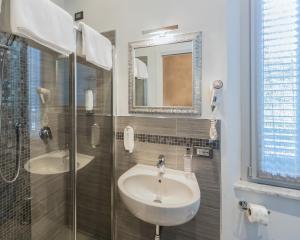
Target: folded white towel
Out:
[96,48]
[0,5]
[44,22]
[140,69]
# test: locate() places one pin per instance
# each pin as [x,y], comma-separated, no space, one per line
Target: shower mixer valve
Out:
[45,133]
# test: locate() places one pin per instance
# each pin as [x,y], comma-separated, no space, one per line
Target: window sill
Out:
[268,190]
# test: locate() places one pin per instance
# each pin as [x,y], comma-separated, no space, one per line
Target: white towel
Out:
[140,69]
[44,22]
[0,5]
[96,48]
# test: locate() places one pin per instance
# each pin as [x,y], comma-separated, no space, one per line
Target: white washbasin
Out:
[172,202]
[55,162]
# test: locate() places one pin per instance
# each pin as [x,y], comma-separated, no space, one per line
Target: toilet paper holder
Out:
[244,206]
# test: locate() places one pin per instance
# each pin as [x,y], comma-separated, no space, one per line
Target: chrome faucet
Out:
[161,164]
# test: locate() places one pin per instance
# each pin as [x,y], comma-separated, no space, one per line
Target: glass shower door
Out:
[94,152]
[94,107]
[51,187]
[49,162]
[36,190]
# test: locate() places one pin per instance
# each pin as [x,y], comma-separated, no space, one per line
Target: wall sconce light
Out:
[160,31]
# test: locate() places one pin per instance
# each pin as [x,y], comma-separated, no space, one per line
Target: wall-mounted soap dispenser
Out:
[187,160]
[129,139]
[89,101]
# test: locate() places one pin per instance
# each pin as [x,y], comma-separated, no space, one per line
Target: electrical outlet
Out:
[203,152]
[79,16]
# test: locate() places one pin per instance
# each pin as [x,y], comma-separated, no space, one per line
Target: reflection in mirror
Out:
[141,74]
[165,76]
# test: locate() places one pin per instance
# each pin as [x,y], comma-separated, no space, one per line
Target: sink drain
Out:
[157,201]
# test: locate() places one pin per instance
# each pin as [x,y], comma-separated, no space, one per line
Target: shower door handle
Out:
[18,127]
[28,198]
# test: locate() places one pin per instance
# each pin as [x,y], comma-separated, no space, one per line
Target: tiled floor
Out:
[81,236]
[67,234]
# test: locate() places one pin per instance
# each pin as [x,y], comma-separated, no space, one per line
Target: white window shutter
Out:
[278,90]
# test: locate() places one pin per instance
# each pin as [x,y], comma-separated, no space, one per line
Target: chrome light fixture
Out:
[160,31]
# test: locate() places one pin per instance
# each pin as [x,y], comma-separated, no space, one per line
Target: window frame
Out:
[250,33]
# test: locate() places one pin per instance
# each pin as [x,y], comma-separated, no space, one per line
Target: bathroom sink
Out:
[55,162]
[170,200]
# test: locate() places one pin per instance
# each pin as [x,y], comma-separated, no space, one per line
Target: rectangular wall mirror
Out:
[165,74]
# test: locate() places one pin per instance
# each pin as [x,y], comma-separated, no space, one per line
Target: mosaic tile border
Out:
[171,140]
[15,214]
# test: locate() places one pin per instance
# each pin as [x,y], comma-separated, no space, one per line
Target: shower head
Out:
[3,50]
[9,42]
[4,47]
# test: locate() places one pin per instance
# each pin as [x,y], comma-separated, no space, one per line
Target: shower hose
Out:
[17,127]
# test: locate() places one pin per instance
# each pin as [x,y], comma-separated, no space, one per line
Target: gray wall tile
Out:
[159,126]
[206,224]
[193,128]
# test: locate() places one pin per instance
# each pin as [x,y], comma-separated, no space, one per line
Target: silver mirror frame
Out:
[196,39]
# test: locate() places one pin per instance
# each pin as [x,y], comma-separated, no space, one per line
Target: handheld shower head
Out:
[44,94]
[5,45]
[10,40]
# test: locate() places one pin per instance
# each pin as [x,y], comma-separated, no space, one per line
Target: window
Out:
[275,114]
[34,77]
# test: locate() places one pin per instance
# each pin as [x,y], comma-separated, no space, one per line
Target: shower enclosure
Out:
[55,151]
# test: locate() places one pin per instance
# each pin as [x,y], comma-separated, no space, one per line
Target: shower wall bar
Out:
[73,138]
[73,147]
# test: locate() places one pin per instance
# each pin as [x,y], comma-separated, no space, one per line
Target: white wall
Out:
[220,22]
[230,125]
[130,17]
[285,213]
[60,3]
